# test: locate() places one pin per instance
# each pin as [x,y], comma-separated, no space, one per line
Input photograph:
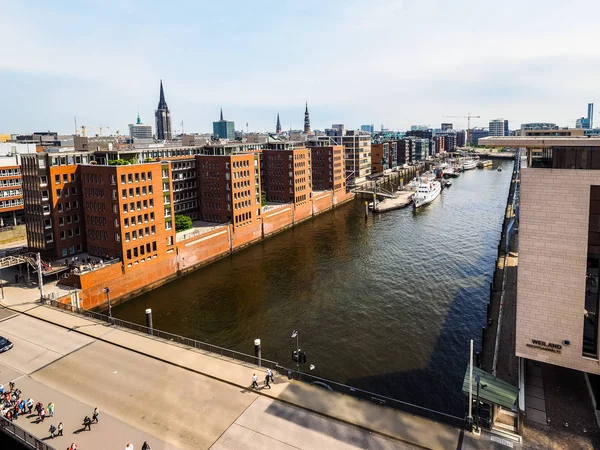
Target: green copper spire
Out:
[139,121]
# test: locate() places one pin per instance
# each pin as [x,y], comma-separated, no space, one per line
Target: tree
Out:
[182,223]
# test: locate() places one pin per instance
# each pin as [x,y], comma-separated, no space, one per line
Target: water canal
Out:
[387,303]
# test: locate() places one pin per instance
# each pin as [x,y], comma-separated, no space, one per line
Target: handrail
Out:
[239,356]
[375,398]
[163,335]
[23,436]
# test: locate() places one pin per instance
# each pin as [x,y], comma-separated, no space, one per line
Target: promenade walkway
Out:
[177,397]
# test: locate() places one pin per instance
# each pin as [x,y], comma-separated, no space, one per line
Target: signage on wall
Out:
[546,346]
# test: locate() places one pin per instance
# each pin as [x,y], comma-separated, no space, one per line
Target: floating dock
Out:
[403,199]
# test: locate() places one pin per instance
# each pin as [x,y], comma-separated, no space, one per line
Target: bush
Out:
[182,223]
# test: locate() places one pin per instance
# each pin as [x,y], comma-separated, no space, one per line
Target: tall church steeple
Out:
[163,118]
[306,120]
[278,127]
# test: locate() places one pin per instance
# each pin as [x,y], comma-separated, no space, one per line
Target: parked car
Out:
[5,344]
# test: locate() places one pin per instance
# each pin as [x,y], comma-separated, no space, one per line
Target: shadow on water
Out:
[388,303]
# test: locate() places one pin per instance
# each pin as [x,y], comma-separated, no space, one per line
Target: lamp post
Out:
[295,335]
[107,292]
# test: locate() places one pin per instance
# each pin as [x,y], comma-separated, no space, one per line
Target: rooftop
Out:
[541,141]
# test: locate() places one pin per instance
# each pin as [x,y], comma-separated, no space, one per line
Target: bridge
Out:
[374,189]
[31,259]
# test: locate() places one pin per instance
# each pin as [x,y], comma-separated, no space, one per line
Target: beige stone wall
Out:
[553,241]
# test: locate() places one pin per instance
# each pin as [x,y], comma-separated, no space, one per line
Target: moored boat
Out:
[484,164]
[499,168]
[469,164]
[426,193]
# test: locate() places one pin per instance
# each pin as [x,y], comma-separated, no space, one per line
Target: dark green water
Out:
[387,304]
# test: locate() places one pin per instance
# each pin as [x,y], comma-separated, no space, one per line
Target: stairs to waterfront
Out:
[506,425]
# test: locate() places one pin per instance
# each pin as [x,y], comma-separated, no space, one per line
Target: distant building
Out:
[163,118]
[306,120]
[564,132]
[419,128]
[539,126]
[497,127]
[367,128]
[278,126]
[288,175]
[590,115]
[224,129]
[328,168]
[380,153]
[506,128]
[140,131]
[461,138]
[477,134]
[446,126]
[583,123]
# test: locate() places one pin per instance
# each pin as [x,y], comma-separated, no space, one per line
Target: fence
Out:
[249,359]
[23,436]
[382,400]
[163,335]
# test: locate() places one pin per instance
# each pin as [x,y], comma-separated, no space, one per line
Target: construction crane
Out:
[468,117]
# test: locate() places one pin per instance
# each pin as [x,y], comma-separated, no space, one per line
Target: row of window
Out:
[92,192]
[64,234]
[11,192]
[66,206]
[11,203]
[185,206]
[65,178]
[98,234]
[95,220]
[131,177]
[136,205]
[132,221]
[141,250]
[66,192]
[137,192]
[92,178]
[10,172]
[62,220]
[13,182]
[135,234]
[183,165]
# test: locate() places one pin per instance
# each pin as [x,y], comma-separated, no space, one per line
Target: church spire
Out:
[139,121]
[163,118]
[306,120]
[278,127]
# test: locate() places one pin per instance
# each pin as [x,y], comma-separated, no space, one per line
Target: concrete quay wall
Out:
[193,253]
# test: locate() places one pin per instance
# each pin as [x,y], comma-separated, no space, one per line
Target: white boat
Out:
[426,192]
[469,164]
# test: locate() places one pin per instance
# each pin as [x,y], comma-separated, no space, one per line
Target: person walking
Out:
[60,428]
[73,446]
[11,386]
[267,385]
[146,446]
[42,414]
[95,415]
[129,446]
[87,423]
[1,389]
[52,430]
[29,405]
[51,409]
[270,375]
[254,381]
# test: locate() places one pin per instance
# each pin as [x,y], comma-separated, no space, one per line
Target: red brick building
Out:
[328,168]
[229,188]
[288,175]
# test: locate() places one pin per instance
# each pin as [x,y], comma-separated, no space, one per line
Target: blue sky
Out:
[391,62]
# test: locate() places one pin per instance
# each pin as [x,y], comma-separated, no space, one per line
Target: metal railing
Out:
[169,337]
[378,399]
[23,436]
[249,359]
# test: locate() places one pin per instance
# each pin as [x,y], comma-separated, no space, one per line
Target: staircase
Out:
[506,425]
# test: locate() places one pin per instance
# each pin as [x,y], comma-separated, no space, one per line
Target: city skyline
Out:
[71,59]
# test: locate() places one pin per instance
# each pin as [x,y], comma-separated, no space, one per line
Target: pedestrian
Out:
[22,406]
[129,446]
[52,430]
[12,386]
[29,404]
[42,414]
[87,423]
[17,393]
[73,446]
[267,381]
[270,375]
[1,389]
[146,446]
[60,427]
[16,412]
[254,381]
[95,415]
[51,409]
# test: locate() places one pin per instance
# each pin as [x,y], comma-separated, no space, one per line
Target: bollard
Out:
[149,321]
[257,352]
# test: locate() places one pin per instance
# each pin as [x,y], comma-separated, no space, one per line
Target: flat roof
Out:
[540,141]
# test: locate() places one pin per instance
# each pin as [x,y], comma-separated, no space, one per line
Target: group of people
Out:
[268,380]
[12,406]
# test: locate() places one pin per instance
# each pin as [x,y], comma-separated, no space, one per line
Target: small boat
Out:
[469,164]
[426,193]
[484,164]
[448,183]
[499,168]
[449,172]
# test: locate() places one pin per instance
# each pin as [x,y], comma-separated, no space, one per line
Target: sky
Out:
[395,63]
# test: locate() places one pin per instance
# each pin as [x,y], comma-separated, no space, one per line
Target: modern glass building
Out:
[224,129]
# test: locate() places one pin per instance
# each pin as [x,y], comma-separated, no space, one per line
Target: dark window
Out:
[590,324]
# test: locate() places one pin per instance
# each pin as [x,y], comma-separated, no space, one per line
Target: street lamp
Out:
[107,292]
